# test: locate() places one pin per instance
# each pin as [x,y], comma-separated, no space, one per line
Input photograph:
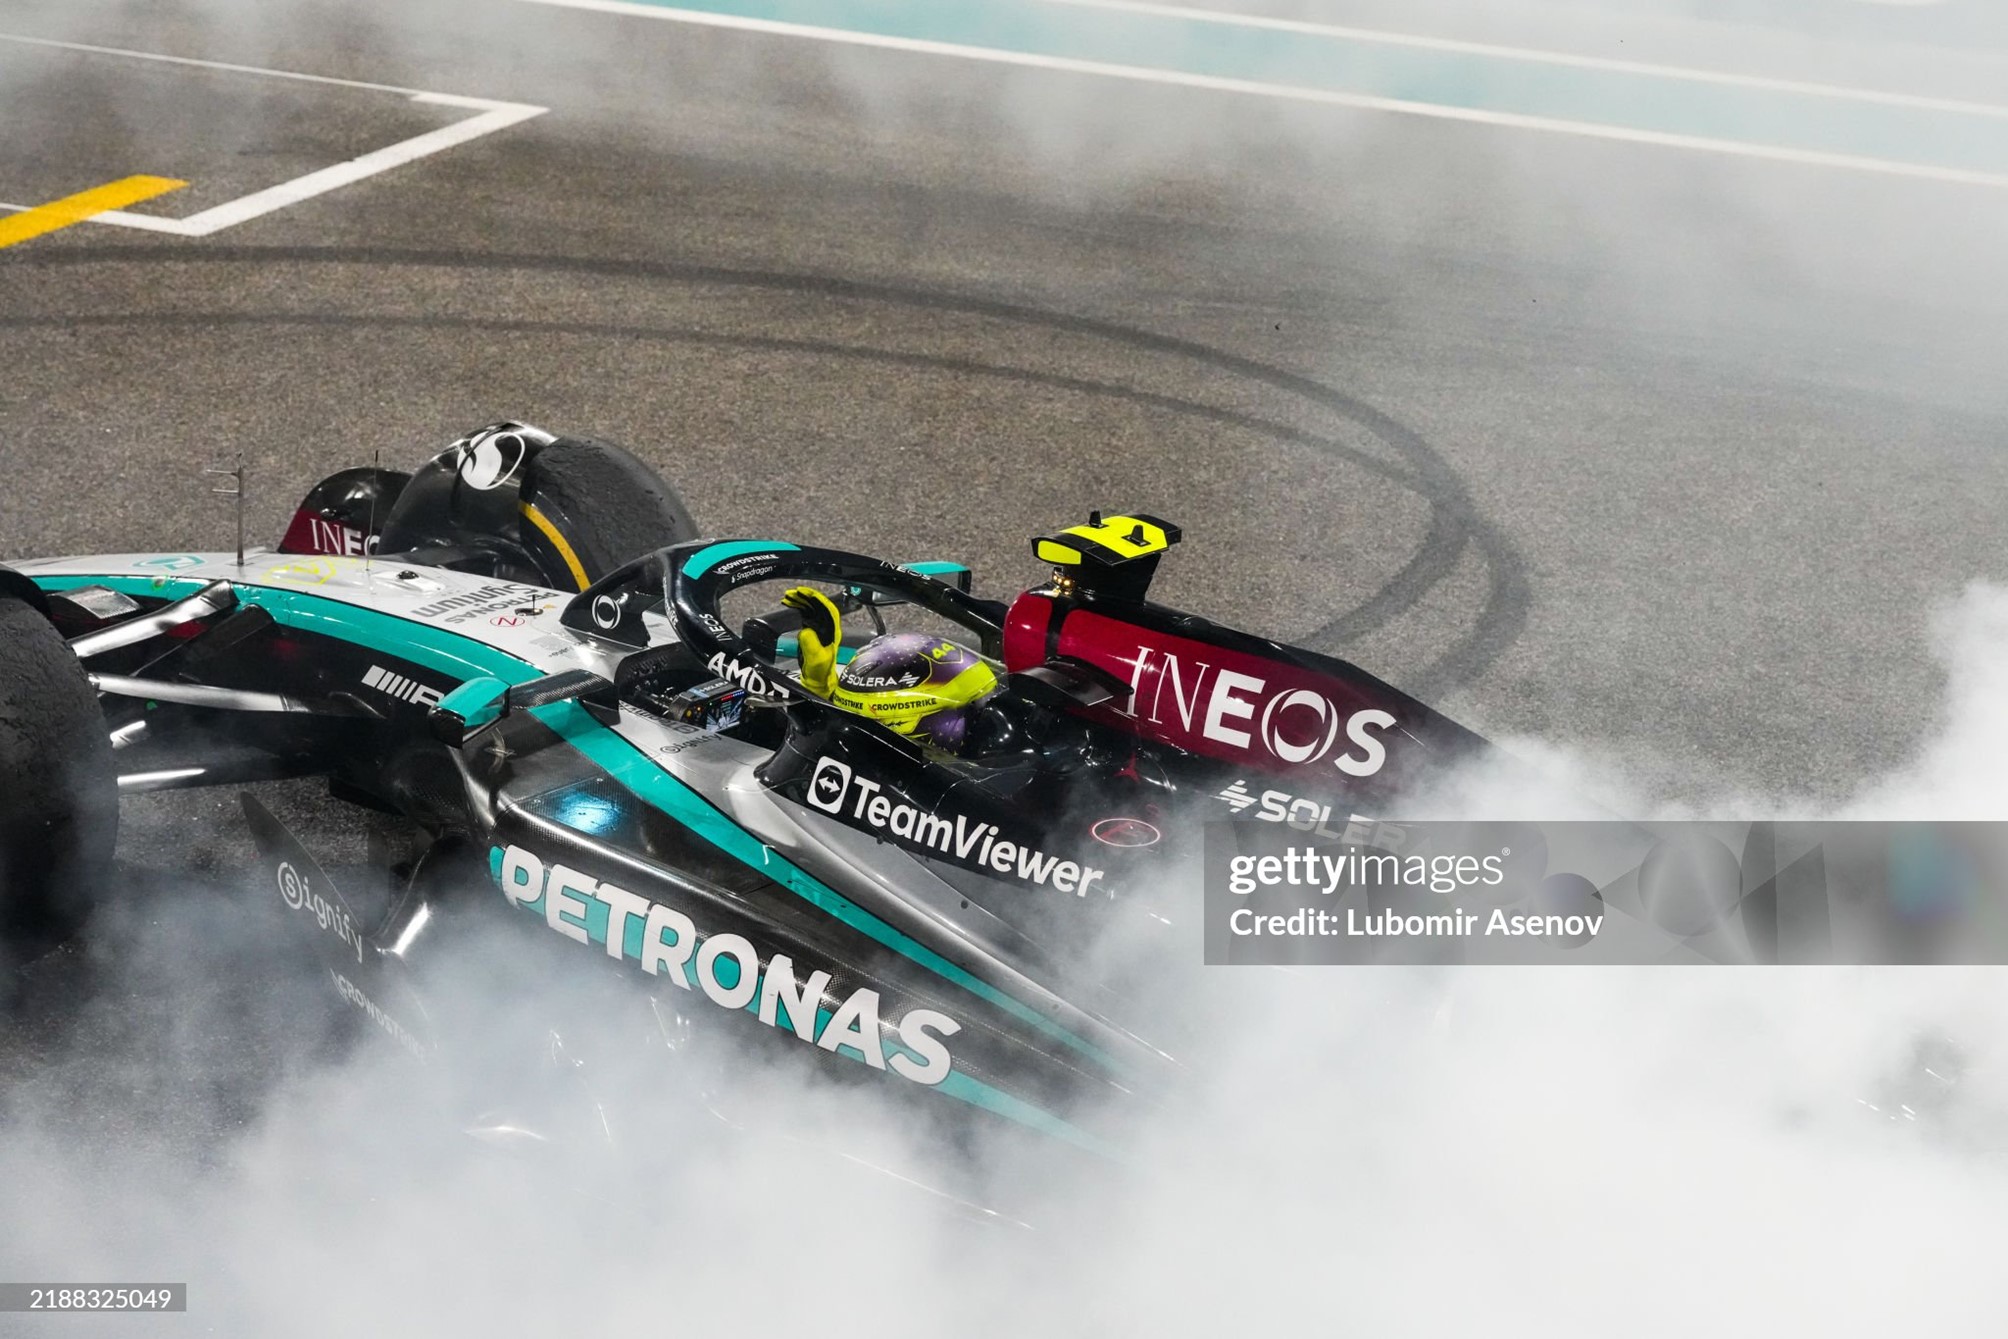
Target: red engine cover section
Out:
[1263,713]
[312,533]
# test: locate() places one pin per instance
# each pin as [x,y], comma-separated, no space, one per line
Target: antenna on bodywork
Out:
[369,535]
[235,490]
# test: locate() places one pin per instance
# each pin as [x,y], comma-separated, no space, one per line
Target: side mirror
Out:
[957,575]
[861,597]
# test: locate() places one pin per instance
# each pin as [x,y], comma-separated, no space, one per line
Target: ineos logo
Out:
[606,611]
[1197,704]
[292,887]
[1322,738]
[828,784]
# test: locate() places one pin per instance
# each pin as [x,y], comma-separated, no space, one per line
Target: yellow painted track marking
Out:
[550,532]
[30,223]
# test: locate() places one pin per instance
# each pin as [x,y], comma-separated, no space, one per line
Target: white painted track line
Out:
[204,64]
[292,192]
[492,116]
[1538,56]
[1327,97]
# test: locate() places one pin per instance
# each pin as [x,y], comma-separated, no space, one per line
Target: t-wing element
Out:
[1112,558]
[479,705]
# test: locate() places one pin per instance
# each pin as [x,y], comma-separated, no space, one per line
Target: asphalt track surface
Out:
[1656,452]
[1645,451]
[1637,450]
[1596,443]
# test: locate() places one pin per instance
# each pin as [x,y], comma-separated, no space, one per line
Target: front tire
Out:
[59,808]
[589,506]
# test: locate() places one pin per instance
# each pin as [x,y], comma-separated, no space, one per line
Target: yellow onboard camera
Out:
[1110,558]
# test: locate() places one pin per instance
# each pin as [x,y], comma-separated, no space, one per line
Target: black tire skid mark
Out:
[1455,521]
[1443,544]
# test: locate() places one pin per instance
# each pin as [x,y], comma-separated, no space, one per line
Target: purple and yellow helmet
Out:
[916,684]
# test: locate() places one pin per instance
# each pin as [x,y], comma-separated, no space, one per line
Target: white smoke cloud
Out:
[1959,775]
[1388,1152]
[1393,1151]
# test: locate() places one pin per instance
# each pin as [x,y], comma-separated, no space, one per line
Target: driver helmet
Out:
[919,685]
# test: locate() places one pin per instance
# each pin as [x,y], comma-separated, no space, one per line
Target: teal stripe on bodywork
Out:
[626,764]
[958,1084]
[448,652]
[456,654]
[475,697]
[702,561]
[965,1088]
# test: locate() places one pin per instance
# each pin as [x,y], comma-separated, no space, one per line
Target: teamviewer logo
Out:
[828,785]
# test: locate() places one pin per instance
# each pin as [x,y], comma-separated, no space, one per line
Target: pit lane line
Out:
[493,116]
[963,29]
[71,209]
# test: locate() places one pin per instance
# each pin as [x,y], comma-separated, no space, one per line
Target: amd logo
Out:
[744,676]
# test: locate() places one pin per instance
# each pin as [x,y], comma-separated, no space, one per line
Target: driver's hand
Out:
[822,630]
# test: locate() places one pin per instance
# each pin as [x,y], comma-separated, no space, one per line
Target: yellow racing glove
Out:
[822,630]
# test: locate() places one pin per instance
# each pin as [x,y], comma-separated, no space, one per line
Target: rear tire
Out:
[59,809]
[605,506]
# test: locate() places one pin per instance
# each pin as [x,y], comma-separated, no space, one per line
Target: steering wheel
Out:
[701,574]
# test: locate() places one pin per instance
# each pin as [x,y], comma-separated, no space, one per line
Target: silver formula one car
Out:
[524,654]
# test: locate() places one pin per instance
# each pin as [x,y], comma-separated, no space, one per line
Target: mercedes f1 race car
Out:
[595,721]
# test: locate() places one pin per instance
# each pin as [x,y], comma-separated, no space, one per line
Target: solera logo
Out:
[828,784]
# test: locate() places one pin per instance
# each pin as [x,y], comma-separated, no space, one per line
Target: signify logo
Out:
[297,891]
